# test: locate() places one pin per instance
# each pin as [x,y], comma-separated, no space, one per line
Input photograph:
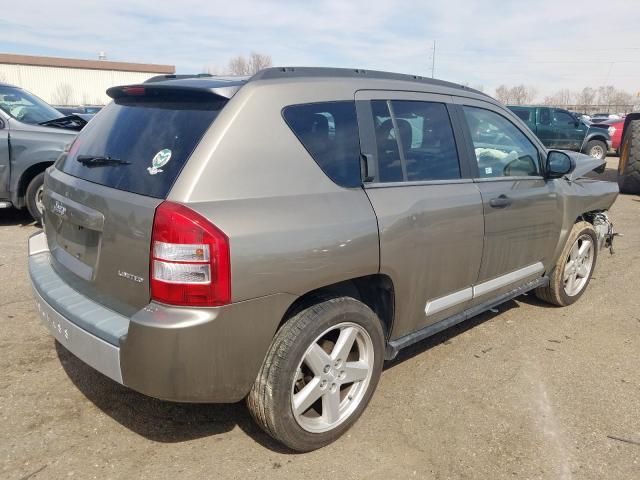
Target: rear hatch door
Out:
[101,196]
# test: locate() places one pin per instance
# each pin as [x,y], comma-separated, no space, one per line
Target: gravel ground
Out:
[528,392]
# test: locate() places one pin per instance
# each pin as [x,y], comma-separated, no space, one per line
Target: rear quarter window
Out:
[329,132]
[153,139]
[523,114]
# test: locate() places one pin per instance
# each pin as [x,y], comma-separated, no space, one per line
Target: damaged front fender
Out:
[583,164]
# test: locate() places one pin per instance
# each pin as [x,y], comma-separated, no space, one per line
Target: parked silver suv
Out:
[278,237]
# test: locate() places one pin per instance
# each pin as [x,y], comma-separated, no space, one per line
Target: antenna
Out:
[433,60]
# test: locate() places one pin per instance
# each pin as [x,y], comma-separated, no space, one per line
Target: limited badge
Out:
[159,161]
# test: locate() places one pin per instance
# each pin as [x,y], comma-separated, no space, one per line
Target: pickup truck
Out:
[32,136]
[558,128]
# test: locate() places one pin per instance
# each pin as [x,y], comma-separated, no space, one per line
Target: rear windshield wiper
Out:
[100,161]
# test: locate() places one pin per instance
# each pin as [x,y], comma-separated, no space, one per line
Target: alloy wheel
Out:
[579,265]
[40,200]
[332,377]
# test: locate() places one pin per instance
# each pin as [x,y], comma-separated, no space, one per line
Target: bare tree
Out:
[522,94]
[503,94]
[561,97]
[249,66]
[518,95]
[585,98]
[63,95]
[238,66]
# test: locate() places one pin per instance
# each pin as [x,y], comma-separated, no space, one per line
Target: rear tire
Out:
[596,149]
[301,359]
[629,169]
[34,194]
[572,272]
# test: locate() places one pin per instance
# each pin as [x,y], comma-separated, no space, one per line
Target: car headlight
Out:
[611,131]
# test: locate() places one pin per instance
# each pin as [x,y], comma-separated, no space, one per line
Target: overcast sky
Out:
[549,44]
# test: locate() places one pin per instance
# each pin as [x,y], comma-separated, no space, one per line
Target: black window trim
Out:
[471,149]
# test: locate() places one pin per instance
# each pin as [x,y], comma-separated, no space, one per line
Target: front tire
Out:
[574,268]
[319,374]
[596,149]
[35,191]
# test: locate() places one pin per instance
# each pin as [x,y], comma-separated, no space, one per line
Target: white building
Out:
[68,81]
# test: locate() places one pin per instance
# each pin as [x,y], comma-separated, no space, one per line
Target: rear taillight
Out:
[190,263]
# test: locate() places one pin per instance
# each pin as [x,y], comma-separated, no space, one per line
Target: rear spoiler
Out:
[199,85]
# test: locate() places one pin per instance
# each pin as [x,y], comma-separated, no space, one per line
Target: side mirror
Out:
[559,164]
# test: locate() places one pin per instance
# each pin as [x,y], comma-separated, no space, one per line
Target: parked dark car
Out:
[32,136]
[558,128]
[277,238]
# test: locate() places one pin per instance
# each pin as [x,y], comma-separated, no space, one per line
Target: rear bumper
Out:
[179,354]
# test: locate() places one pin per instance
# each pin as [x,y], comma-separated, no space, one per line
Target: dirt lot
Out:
[529,392]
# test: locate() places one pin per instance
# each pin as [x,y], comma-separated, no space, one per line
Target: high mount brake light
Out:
[190,262]
[133,90]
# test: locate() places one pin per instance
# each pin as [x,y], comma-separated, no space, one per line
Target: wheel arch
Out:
[376,291]
[18,193]
[594,136]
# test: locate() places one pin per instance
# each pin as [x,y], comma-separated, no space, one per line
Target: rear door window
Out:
[329,132]
[140,144]
[415,141]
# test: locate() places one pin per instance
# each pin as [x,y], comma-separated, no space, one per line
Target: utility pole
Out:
[433,60]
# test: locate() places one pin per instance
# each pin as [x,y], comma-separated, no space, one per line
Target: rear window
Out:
[140,144]
[524,114]
[329,132]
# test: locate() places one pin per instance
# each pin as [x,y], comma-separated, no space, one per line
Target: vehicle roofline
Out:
[228,85]
[291,73]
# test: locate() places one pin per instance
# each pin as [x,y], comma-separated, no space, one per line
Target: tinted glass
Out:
[155,137]
[426,139]
[390,168]
[564,119]
[329,132]
[545,116]
[501,149]
[523,113]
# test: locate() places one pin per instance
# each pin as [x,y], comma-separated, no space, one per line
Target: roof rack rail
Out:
[301,72]
[173,76]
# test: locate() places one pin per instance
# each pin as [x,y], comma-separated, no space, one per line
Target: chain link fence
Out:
[593,109]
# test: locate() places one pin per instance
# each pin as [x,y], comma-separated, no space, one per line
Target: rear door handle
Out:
[501,202]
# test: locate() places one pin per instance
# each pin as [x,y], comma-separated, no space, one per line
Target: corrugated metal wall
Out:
[68,86]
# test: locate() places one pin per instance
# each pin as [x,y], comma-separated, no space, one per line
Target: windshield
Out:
[26,107]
